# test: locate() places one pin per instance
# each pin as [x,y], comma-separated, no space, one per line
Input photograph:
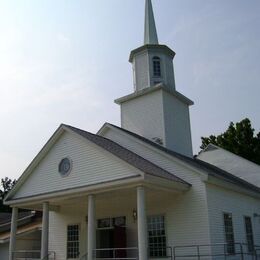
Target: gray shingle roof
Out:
[6,217]
[127,155]
[24,218]
[209,168]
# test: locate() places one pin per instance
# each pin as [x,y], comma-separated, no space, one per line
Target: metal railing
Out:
[221,251]
[26,255]
[129,253]
[84,257]
[50,256]
[31,255]
[160,252]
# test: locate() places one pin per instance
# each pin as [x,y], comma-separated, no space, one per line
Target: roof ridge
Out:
[153,143]
[212,169]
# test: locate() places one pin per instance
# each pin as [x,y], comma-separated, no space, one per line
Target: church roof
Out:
[23,219]
[128,156]
[27,223]
[199,164]
[5,217]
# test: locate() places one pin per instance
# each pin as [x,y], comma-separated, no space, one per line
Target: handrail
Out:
[213,250]
[50,256]
[85,256]
[199,252]
[32,254]
[26,254]
[158,252]
[115,253]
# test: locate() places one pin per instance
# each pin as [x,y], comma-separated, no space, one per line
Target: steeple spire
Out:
[150,33]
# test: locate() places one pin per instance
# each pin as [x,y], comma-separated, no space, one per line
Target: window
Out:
[156,236]
[73,241]
[249,234]
[104,223]
[111,222]
[229,233]
[156,67]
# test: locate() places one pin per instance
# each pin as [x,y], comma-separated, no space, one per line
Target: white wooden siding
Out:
[77,213]
[221,200]
[144,115]
[140,66]
[177,125]
[91,165]
[189,216]
[159,115]
[179,230]
[58,228]
[170,78]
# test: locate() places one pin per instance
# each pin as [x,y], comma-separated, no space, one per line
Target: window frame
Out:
[73,241]
[250,247]
[112,221]
[157,67]
[155,251]
[229,245]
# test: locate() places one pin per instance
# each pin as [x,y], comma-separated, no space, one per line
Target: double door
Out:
[111,242]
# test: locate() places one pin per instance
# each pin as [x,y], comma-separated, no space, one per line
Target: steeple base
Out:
[159,114]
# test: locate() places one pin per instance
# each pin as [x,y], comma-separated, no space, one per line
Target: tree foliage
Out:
[5,186]
[239,138]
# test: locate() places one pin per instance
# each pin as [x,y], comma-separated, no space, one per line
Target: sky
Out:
[65,61]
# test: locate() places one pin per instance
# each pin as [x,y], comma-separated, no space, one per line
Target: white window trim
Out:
[79,228]
[165,230]
[224,232]
[252,226]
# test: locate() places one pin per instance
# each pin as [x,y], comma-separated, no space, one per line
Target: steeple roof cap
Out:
[151,47]
[150,33]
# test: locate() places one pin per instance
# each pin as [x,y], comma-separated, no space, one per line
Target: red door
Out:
[120,242]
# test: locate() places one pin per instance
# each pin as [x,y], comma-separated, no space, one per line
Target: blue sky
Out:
[66,61]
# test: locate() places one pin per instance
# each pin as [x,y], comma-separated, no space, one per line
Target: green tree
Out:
[239,138]
[5,186]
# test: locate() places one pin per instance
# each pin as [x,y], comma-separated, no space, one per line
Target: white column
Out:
[13,232]
[142,224]
[91,227]
[45,230]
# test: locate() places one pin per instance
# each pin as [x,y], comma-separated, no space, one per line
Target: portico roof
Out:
[147,169]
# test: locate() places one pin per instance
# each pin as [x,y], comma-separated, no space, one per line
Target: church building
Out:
[136,191]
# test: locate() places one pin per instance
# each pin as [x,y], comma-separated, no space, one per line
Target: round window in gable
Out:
[65,167]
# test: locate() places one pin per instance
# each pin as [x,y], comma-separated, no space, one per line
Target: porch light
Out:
[134,214]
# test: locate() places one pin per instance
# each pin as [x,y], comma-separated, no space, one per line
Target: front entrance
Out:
[111,239]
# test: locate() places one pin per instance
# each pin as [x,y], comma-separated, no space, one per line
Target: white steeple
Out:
[150,33]
[156,110]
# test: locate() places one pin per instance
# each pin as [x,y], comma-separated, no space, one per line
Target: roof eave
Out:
[225,183]
[41,154]
[148,47]
[157,87]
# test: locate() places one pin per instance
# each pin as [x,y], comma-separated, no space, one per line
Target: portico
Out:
[130,203]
